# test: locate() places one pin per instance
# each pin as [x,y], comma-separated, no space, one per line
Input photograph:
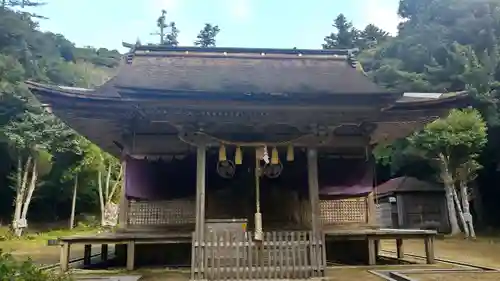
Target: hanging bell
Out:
[238,156]
[274,156]
[290,153]
[222,153]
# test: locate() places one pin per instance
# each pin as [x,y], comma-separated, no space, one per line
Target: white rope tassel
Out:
[265,157]
[258,227]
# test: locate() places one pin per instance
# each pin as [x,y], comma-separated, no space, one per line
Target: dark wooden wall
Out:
[415,210]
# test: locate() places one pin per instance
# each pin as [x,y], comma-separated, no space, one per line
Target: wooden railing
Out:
[235,255]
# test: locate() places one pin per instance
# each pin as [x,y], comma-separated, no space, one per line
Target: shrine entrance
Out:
[226,249]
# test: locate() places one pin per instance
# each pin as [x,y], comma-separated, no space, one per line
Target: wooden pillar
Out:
[371,210]
[312,175]
[123,210]
[199,234]
[429,249]
[130,255]
[200,191]
[400,249]
[372,251]
[87,254]
[104,252]
[64,258]
[371,207]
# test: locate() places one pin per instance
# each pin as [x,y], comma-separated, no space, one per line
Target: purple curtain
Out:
[158,180]
[345,177]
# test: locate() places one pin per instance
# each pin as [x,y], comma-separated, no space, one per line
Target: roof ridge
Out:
[161,48]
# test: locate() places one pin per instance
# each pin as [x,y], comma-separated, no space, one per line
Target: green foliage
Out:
[14,270]
[171,37]
[27,53]
[206,37]
[459,137]
[346,36]
[443,46]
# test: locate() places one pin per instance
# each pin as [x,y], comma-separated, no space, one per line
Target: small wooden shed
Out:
[410,203]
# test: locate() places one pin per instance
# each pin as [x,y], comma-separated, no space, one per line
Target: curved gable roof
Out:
[244,70]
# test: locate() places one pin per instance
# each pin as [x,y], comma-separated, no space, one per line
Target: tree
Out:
[33,137]
[171,37]
[371,36]
[206,37]
[161,23]
[453,145]
[38,143]
[345,36]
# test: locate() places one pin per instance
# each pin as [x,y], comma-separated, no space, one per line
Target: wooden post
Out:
[429,249]
[371,208]
[312,175]
[400,248]
[87,254]
[372,251]
[104,252]
[200,191]
[130,255]
[123,211]
[64,258]
[200,209]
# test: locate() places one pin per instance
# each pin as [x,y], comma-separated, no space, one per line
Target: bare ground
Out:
[482,252]
[486,276]
[485,252]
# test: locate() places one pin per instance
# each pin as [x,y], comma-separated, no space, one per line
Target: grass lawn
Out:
[34,245]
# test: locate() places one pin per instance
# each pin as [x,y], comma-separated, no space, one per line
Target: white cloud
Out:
[382,13]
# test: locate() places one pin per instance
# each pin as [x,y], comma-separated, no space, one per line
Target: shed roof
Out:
[406,184]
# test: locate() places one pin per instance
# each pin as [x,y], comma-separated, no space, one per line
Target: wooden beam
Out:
[312,174]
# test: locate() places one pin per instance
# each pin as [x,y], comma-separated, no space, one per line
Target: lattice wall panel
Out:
[352,210]
[175,212]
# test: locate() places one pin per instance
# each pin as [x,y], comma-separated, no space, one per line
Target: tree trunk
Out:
[32,186]
[460,213]
[73,204]
[116,185]
[467,214]
[101,195]
[17,225]
[108,181]
[448,187]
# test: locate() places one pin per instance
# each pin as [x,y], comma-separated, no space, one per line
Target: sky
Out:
[243,23]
